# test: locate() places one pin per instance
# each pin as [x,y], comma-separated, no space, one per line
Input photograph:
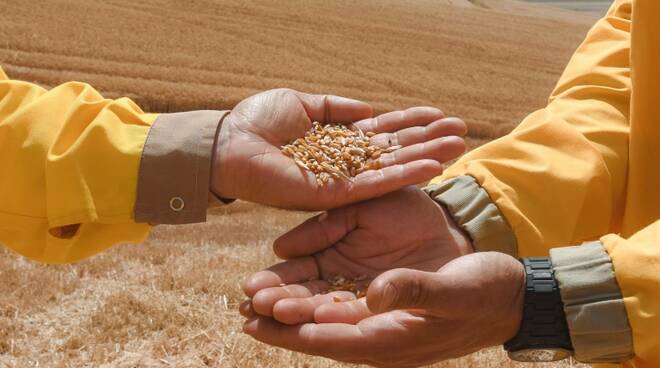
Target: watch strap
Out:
[544,323]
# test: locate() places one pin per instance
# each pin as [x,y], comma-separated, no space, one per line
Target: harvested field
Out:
[489,67]
[173,300]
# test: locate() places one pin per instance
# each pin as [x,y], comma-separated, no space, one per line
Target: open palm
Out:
[413,317]
[404,229]
[249,164]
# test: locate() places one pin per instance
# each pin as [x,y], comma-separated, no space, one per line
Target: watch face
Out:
[539,355]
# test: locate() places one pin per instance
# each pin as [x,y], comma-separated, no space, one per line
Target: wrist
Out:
[460,237]
[517,307]
[473,210]
[221,162]
[543,334]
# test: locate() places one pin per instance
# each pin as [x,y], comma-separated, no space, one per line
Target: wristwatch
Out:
[543,334]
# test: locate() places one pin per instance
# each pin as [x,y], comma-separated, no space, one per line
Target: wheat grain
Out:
[335,151]
[357,286]
[167,272]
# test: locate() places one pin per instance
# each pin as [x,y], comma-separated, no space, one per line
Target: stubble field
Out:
[172,301]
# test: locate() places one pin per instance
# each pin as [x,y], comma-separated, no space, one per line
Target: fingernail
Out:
[245,309]
[250,325]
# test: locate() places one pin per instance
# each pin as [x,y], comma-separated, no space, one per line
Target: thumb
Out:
[334,109]
[317,233]
[462,286]
[405,289]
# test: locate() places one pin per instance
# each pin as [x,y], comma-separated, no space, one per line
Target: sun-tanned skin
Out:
[414,318]
[429,287]
[401,229]
[248,162]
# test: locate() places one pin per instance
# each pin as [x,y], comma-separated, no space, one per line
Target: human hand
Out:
[249,165]
[406,228]
[413,317]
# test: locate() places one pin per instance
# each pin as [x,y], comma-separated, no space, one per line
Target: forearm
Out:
[559,178]
[609,287]
[84,173]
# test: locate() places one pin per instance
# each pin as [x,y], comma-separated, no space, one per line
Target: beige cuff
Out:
[175,169]
[595,312]
[473,210]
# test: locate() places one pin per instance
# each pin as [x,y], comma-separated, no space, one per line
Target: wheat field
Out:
[172,301]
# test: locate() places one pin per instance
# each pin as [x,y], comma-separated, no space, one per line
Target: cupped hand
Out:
[414,318]
[406,228]
[249,165]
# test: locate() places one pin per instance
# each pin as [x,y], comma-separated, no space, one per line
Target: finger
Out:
[440,149]
[409,136]
[301,310]
[264,300]
[333,340]
[350,312]
[396,120]
[375,183]
[458,288]
[245,309]
[293,271]
[405,289]
[316,234]
[334,109]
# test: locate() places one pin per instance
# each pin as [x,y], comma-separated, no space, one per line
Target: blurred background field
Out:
[172,301]
[597,6]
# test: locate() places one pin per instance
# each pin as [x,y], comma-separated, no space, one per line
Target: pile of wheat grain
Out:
[334,150]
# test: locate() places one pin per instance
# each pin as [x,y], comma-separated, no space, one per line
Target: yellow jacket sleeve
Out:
[611,295]
[80,173]
[559,177]
[68,170]
[584,166]
[636,263]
